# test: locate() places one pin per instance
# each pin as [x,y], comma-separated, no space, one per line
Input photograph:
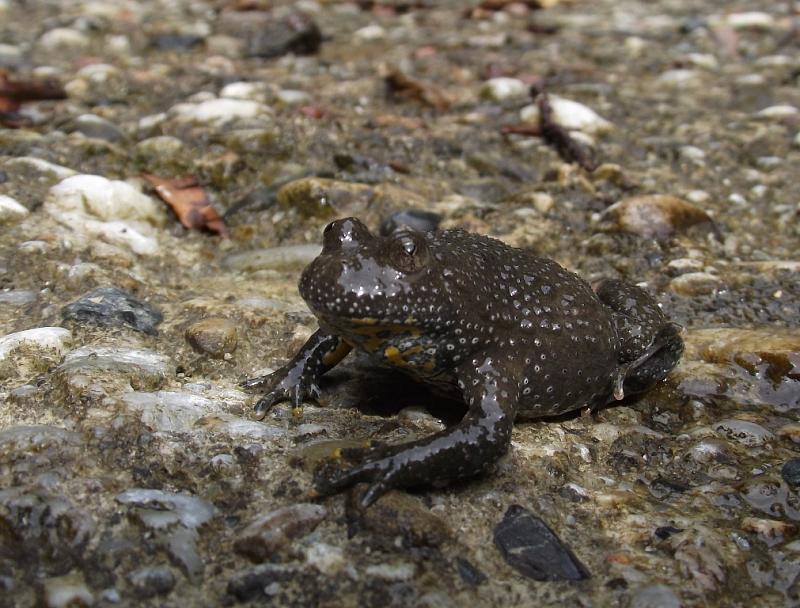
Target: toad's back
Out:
[545,321]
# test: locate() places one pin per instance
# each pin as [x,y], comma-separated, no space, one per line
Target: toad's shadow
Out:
[383,391]
[379,390]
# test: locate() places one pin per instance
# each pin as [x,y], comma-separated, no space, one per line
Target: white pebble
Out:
[218,112]
[293,96]
[53,339]
[571,115]
[113,210]
[11,210]
[105,199]
[63,38]
[698,196]
[253,91]
[750,20]
[778,112]
[370,32]
[680,78]
[500,89]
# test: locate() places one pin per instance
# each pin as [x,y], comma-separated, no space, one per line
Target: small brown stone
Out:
[214,336]
[656,216]
[396,515]
[268,533]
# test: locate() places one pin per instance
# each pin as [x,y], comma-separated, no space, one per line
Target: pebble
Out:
[657,216]
[35,347]
[695,284]
[140,367]
[215,336]
[170,411]
[396,572]
[239,428]
[162,152]
[770,497]
[502,89]
[61,39]
[254,91]
[287,257]
[293,97]
[67,591]
[104,199]
[157,509]
[113,307]
[571,115]
[778,112]
[750,20]
[532,548]
[757,351]
[11,210]
[416,219]
[221,112]
[151,581]
[747,433]
[10,55]
[297,33]
[772,531]
[94,206]
[35,438]
[328,559]
[655,596]
[681,78]
[17,297]
[791,472]
[272,531]
[97,127]
[396,516]
[369,33]
[469,573]
[790,431]
[253,583]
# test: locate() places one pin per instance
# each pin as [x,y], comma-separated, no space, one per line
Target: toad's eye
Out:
[409,246]
[328,228]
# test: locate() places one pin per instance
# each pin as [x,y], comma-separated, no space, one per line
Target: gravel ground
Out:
[132,469]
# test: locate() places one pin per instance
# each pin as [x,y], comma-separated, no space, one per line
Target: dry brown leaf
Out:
[401,86]
[190,203]
[13,93]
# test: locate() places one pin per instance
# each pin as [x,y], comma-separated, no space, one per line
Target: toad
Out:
[512,334]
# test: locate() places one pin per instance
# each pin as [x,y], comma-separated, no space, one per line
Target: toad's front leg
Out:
[297,380]
[466,449]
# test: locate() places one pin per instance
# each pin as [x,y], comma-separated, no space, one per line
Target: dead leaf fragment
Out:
[401,86]
[190,203]
[13,93]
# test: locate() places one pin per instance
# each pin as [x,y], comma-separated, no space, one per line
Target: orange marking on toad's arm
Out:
[337,354]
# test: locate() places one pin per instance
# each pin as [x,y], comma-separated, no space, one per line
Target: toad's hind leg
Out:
[463,450]
[650,345]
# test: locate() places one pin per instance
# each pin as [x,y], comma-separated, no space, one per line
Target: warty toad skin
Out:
[510,333]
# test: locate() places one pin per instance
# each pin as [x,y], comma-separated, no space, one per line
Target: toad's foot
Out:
[297,381]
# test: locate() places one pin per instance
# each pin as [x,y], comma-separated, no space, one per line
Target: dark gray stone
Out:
[149,582]
[416,219]
[97,127]
[532,548]
[297,33]
[113,307]
[791,472]
[251,583]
